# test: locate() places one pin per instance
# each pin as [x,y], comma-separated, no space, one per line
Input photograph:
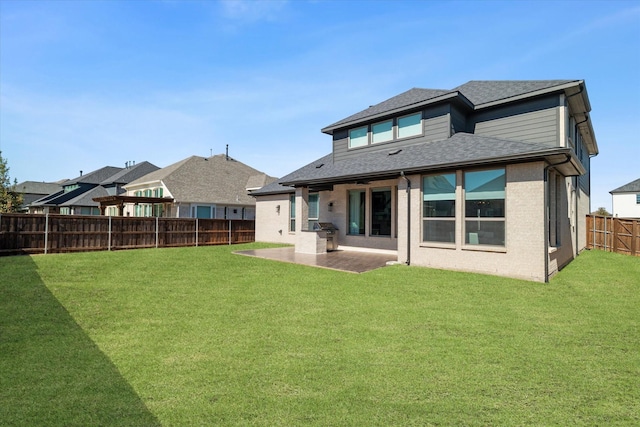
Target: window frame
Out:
[373,133]
[366,136]
[292,213]
[421,126]
[372,212]
[362,213]
[440,218]
[486,219]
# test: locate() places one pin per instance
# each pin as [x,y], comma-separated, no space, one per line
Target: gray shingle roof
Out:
[405,99]
[477,92]
[460,150]
[96,176]
[631,187]
[130,173]
[482,92]
[206,180]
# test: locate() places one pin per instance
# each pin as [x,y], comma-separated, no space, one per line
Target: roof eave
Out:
[573,168]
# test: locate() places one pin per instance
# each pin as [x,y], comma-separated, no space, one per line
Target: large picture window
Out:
[410,125]
[358,137]
[356,212]
[484,207]
[381,212]
[439,208]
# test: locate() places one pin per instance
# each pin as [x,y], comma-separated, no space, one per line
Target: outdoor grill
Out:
[330,231]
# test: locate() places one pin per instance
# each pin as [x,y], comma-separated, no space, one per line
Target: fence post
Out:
[109,232]
[229,231]
[615,225]
[593,222]
[156,232]
[605,234]
[46,232]
[196,231]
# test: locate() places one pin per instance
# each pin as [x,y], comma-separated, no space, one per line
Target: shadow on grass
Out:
[51,372]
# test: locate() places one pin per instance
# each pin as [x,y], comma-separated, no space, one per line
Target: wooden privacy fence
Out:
[613,234]
[28,233]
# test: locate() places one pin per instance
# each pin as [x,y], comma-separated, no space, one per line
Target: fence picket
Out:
[29,233]
[621,235]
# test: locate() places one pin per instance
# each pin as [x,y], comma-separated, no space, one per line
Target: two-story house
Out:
[491,177]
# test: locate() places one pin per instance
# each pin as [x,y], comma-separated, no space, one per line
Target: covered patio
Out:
[353,261]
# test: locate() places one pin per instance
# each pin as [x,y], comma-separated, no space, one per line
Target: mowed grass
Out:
[200,336]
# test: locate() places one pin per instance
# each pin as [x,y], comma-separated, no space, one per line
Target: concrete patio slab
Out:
[351,261]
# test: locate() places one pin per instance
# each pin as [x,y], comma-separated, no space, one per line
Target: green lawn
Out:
[199,336]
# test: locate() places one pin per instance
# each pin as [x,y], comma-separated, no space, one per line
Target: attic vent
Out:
[319,166]
[394,152]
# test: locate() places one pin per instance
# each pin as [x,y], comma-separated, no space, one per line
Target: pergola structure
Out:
[120,201]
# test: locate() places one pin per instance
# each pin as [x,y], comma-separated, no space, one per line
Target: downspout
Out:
[575,132]
[408,217]
[546,214]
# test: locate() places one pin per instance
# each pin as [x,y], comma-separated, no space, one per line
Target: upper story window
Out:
[410,125]
[638,198]
[385,131]
[382,132]
[358,137]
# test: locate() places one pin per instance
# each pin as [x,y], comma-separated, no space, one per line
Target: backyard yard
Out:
[201,336]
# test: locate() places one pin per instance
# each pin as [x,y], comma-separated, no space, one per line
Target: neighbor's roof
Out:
[36,187]
[461,150]
[95,177]
[216,179]
[130,173]
[632,187]
[86,198]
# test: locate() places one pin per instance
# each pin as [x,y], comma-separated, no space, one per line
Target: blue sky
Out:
[85,84]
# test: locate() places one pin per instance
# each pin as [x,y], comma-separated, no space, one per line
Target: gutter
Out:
[402,175]
[546,214]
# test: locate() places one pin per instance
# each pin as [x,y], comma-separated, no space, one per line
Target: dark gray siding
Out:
[436,126]
[532,121]
[458,120]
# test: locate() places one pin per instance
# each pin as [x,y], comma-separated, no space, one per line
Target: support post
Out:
[156,232]
[109,232]
[229,231]
[196,231]
[46,232]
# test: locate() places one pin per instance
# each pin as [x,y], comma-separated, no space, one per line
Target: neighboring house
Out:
[491,177]
[197,187]
[34,190]
[626,200]
[76,196]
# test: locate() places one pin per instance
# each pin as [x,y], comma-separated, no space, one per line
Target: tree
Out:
[601,211]
[10,199]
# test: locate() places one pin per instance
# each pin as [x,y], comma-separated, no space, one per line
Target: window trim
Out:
[453,218]
[366,128]
[373,134]
[421,133]
[502,219]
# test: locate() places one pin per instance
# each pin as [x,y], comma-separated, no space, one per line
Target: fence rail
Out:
[32,234]
[613,234]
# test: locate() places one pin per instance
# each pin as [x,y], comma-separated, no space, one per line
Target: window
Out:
[410,125]
[65,211]
[314,209]
[484,207]
[638,198]
[157,192]
[292,212]
[201,212]
[138,193]
[358,137]
[381,212]
[382,132]
[356,212]
[439,208]
[148,192]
